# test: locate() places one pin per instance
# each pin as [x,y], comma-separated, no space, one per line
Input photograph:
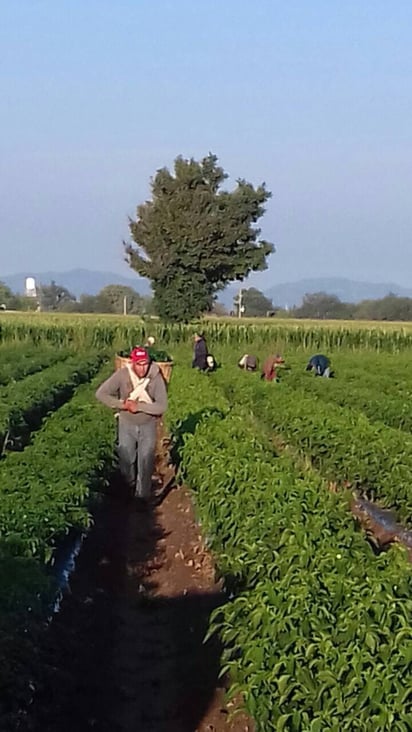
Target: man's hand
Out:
[130,406]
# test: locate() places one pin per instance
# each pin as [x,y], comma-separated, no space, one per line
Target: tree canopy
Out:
[255,303]
[111,300]
[390,307]
[322,305]
[7,298]
[115,295]
[192,238]
[54,296]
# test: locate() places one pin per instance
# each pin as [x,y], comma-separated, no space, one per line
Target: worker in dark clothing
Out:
[248,362]
[200,353]
[320,365]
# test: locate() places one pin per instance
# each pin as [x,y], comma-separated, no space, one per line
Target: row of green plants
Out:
[317,635]
[23,404]
[18,361]
[46,491]
[105,331]
[25,589]
[380,388]
[342,443]
[379,404]
[369,367]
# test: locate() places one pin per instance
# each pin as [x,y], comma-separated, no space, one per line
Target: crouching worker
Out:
[138,393]
[211,364]
[248,362]
[320,365]
[270,368]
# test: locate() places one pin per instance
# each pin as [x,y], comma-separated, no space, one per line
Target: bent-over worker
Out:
[320,365]
[269,369]
[248,362]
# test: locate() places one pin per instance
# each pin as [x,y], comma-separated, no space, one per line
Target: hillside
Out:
[291,293]
[78,281]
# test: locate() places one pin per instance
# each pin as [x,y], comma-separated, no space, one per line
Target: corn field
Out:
[107,331]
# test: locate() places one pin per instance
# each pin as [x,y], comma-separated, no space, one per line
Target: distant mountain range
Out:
[85,281]
[77,281]
[292,293]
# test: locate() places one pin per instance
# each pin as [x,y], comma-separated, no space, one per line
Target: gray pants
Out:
[136,450]
[325,373]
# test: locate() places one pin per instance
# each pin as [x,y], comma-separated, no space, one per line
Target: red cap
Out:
[139,355]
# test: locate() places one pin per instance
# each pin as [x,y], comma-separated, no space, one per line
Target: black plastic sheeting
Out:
[381,524]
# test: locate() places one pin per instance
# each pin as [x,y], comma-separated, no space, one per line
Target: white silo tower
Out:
[30,287]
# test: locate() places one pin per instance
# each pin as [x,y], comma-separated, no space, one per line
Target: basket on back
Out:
[164,366]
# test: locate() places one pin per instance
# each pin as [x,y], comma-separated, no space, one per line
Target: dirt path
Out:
[126,652]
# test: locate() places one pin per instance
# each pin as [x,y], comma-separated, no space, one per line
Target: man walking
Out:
[138,393]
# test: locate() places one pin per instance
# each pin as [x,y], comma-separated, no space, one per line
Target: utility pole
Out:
[40,299]
[241,307]
[125,305]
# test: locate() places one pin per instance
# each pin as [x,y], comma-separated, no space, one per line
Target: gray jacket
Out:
[118,386]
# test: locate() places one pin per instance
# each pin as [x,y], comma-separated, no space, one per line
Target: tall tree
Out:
[94,304]
[7,297]
[115,295]
[390,307]
[255,303]
[192,238]
[53,296]
[322,305]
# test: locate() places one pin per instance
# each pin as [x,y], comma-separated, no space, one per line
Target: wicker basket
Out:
[164,366]
[166,369]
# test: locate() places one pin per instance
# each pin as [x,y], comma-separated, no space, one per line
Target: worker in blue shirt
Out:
[320,365]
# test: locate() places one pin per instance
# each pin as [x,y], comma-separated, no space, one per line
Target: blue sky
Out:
[314,98]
